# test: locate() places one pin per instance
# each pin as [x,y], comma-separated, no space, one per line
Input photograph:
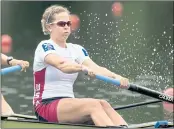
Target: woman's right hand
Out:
[88,71]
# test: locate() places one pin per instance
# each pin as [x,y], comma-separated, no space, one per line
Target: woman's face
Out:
[60,27]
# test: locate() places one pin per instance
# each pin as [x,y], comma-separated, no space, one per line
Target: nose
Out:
[66,26]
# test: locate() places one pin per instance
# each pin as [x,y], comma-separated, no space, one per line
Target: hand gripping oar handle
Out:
[10,69]
[139,89]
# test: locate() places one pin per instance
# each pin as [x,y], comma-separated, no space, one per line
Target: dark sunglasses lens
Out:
[62,23]
[68,23]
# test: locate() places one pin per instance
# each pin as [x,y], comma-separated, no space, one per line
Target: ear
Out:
[49,28]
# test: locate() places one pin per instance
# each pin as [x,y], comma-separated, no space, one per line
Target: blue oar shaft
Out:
[10,69]
[108,79]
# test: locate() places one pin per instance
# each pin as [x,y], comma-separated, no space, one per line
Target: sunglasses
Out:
[63,23]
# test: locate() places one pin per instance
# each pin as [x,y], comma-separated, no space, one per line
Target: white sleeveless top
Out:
[49,81]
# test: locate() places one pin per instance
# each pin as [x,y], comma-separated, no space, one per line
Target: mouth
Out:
[66,32]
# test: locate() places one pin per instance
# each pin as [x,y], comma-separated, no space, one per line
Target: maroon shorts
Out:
[47,110]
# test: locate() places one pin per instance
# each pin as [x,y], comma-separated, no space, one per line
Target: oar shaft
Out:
[10,69]
[151,93]
[138,89]
[137,104]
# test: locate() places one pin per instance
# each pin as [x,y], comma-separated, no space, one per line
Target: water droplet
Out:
[117,39]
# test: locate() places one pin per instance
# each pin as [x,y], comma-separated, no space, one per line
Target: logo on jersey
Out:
[47,47]
[85,52]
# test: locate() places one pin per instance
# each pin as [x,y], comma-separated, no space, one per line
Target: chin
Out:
[65,38]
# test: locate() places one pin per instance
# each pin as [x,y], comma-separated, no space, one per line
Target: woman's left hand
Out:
[124,82]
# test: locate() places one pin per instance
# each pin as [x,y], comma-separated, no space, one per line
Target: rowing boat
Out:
[13,122]
[23,121]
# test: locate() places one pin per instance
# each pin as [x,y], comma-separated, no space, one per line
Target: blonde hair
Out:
[48,16]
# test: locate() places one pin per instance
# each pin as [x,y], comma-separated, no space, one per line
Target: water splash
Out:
[122,46]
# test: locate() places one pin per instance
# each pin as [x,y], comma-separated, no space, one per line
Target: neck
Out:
[61,43]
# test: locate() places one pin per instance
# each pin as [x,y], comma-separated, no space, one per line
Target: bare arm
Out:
[62,64]
[100,70]
[4,59]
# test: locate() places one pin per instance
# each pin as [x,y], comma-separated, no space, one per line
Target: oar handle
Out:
[10,69]
[108,79]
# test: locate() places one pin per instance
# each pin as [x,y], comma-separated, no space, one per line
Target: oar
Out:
[137,104]
[136,88]
[139,89]
[10,69]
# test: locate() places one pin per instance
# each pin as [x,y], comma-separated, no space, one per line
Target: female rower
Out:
[5,60]
[56,66]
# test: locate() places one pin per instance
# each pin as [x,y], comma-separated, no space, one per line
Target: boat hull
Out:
[35,124]
[13,122]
